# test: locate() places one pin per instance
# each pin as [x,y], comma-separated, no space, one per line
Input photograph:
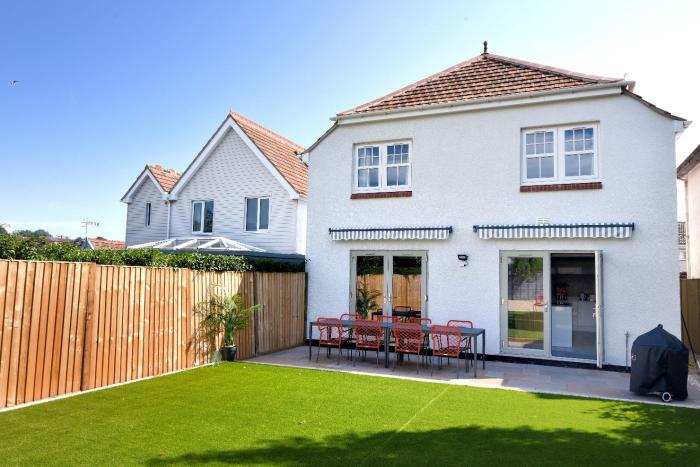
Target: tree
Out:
[2,230]
[33,234]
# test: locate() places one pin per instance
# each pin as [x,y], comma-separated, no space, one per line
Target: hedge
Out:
[41,249]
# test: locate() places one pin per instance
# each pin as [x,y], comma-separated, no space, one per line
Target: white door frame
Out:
[546,277]
[388,274]
[547,354]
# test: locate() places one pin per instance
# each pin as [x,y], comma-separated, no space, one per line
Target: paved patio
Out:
[502,375]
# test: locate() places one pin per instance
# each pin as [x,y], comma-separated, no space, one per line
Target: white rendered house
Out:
[536,202]
[245,192]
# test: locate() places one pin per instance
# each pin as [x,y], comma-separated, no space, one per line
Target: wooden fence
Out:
[69,327]
[406,289]
[690,307]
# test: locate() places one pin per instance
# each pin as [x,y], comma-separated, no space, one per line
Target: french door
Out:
[386,283]
[551,304]
[524,303]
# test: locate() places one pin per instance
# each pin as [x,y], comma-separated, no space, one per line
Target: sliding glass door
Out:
[389,283]
[524,305]
[551,304]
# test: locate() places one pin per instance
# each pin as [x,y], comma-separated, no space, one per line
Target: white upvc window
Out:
[257,214]
[202,216]
[382,166]
[148,215]
[559,154]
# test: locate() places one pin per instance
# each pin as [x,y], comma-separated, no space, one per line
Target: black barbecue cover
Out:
[659,364]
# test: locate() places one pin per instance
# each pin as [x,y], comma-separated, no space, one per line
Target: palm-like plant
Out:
[221,315]
[365,299]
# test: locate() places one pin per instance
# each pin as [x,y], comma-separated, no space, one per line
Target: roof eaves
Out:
[322,137]
[656,109]
[147,172]
[482,100]
[688,164]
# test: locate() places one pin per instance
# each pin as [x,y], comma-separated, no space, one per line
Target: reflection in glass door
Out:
[407,286]
[369,286]
[389,284]
[524,302]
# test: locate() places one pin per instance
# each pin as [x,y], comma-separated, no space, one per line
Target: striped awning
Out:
[391,233]
[590,230]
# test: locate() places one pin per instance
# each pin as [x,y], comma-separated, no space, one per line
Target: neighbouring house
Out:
[244,193]
[689,172]
[538,203]
[99,243]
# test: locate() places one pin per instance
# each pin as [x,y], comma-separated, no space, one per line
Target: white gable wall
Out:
[230,174]
[136,230]
[466,171]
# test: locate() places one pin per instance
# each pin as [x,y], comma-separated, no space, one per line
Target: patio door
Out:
[525,324]
[389,283]
[552,304]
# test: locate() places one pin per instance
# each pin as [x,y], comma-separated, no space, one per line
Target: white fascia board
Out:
[129,196]
[204,154]
[540,97]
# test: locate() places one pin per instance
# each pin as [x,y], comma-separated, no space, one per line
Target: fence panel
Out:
[68,327]
[690,307]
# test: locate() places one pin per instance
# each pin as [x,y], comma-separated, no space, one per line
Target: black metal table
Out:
[471,333]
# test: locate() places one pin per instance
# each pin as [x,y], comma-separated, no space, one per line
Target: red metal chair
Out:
[447,342]
[350,316]
[466,340]
[408,339]
[330,334]
[387,319]
[421,321]
[368,336]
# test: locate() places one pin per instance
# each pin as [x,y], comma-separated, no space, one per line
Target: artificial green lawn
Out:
[252,414]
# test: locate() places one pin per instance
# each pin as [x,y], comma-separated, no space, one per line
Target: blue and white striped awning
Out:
[391,233]
[589,230]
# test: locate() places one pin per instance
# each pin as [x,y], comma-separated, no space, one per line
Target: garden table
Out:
[471,333]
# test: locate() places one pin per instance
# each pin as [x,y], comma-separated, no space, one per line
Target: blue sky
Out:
[106,87]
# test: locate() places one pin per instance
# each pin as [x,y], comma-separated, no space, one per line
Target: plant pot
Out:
[228,353]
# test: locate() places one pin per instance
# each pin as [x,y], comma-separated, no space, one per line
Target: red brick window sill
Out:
[561,187]
[384,194]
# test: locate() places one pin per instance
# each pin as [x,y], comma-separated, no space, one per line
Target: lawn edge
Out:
[101,388]
[466,383]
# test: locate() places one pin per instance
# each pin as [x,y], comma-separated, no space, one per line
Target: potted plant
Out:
[365,303]
[221,315]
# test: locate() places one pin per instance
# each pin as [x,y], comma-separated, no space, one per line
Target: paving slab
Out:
[503,375]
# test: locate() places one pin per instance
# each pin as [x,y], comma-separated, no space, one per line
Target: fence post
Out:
[88,348]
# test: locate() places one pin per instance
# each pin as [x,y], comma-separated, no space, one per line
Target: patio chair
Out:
[368,336]
[408,339]
[347,332]
[422,322]
[330,332]
[447,342]
[466,340]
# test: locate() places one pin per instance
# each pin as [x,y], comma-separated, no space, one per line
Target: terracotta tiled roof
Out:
[484,76]
[166,177]
[280,151]
[100,243]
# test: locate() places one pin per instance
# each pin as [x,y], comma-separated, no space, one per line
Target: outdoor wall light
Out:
[463,258]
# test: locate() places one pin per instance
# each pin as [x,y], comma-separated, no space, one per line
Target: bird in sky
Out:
[14,82]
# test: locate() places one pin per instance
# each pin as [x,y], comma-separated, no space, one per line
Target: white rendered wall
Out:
[466,171]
